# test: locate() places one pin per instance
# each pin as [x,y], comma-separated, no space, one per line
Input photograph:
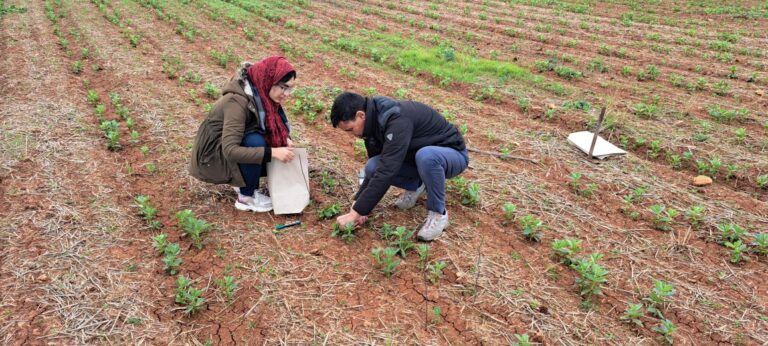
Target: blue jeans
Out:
[252,171]
[433,166]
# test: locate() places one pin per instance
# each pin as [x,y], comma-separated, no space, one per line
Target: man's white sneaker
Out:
[434,226]
[408,199]
[258,203]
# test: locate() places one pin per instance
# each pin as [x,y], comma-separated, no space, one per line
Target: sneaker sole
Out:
[245,207]
[428,239]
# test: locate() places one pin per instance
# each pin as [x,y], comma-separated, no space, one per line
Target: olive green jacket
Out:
[217,152]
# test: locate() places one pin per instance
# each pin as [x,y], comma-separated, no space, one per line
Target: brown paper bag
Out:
[288,183]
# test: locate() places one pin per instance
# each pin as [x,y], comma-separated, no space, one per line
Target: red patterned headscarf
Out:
[264,74]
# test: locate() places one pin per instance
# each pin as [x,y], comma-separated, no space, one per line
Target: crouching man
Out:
[409,145]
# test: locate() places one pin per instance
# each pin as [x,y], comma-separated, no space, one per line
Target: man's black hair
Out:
[345,106]
[288,76]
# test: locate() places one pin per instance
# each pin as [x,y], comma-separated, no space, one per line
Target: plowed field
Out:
[683,84]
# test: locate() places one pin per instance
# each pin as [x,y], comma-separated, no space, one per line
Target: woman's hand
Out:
[290,143]
[284,154]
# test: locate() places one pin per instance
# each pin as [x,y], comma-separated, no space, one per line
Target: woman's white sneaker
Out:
[258,203]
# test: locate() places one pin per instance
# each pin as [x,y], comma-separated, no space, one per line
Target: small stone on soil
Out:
[702,180]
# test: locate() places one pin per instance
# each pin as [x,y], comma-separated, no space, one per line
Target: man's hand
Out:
[352,217]
[284,154]
[290,143]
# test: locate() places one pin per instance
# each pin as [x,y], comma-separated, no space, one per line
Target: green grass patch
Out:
[456,66]
[443,62]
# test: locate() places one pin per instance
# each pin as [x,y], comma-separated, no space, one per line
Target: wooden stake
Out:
[597,131]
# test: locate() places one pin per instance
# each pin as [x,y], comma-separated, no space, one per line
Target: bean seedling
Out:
[666,329]
[386,259]
[148,211]
[591,277]
[387,232]
[135,136]
[675,161]
[160,242]
[730,232]
[401,240]
[113,140]
[761,243]
[714,166]
[531,226]
[115,99]
[694,215]
[111,132]
[134,40]
[565,249]
[741,135]
[121,111]
[662,217]
[702,167]
[575,180]
[470,194]
[223,58]
[171,258]
[346,232]
[581,189]
[762,181]
[437,315]
[211,90]
[249,34]
[721,88]
[469,191]
[192,226]
[327,183]
[99,111]
[635,196]
[658,298]
[436,271]
[737,248]
[195,230]
[360,150]
[655,149]
[633,313]
[171,66]
[687,156]
[423,250]
[188,296]
[77,67]
[522,340]
[509,210]
[329,211]
[308,104]
[227,286]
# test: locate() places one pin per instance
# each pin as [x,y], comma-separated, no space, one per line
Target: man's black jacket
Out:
[396,130]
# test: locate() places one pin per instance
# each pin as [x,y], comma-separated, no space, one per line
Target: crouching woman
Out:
[245,129]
